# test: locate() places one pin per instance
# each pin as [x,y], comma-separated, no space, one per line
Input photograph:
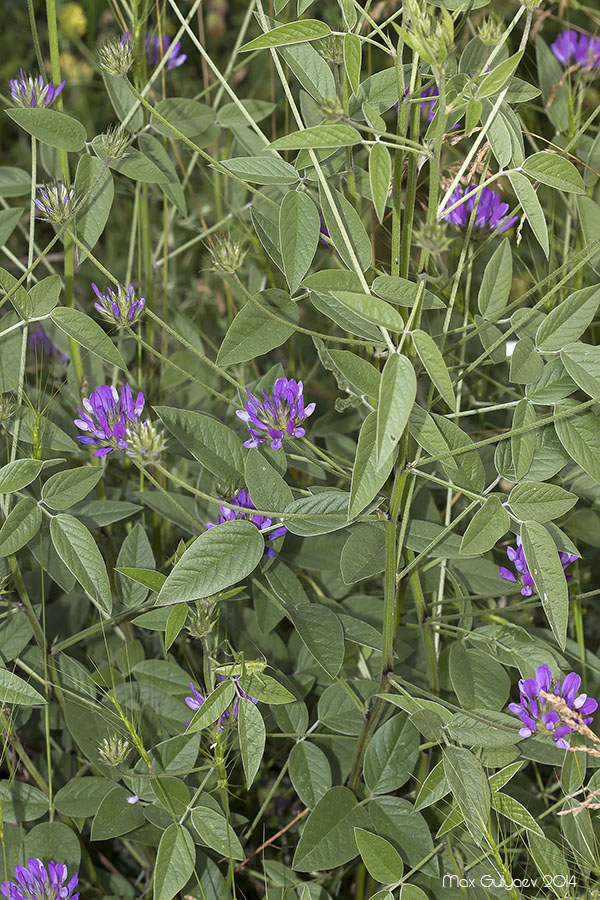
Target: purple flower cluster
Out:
[198,699]
[242,498]
[276,417]
[39,342]
[106,417]
[36,882]
[491,211]
[29,91]
[119,306]
[536,712]
[517,558]
[154,54]
[573,48]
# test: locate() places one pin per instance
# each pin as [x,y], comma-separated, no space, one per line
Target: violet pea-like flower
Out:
[35,881]
[517,558]
[242,498]
[106,417]
[491,210]
[537,714]
[153,51]
[277,417]
[196,701]
[574,48]
[28,91]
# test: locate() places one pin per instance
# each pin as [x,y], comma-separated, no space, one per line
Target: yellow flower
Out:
[74,69]
[73,21]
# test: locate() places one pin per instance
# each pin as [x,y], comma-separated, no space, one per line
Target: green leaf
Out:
[252,736]
[382,860]
[310,772]
[353,229]
[568,321]
[115,815]
[327,840]
[548,575]
[496,283]
[94,182]
[321,513]
[254,332]
[364,554]
[213,444]
[515,811]
[292,33]
[493,82]
[53,840]
[433,788]
[217,559]
[16,475]
[478,680]
[397,392]
[174,862]
[66,488]
[21,802]
[409,892]
[154,150]
[19,297]
[51,127]
[299,226]
[391,755]
[133,165]
[81,797]
[380,174]
[469,785]
[488,525]
[44,295]
[215,831]
[79,552]
[555,171]
[368,474]
[371,309]
[266,689]
[189,117]
[532,208]
[175,623]
[22,524]
[331,307]
[262,169]
[360,373]
[14,690]
[403,292]
[14,182]
[582,362]
[265,485]
[433,361]
[526,364]
[580,436]
[352,59]
[320,137]
[123,101]
[550,863]
[8,222]
[147,577]
[321,633]
[87,333]
[555,87]
[540,502]
[213,707]
[523,445]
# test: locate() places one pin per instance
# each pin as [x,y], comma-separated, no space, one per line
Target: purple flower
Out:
[324,236]
[56,202]
[195,702]
[154,53]
[491,211]
[278,416]
[39,342]
[29,91]
[517,558]
[242,498]
[36,882]
[119,306]
[570,47]
[536,712]
[107,416]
